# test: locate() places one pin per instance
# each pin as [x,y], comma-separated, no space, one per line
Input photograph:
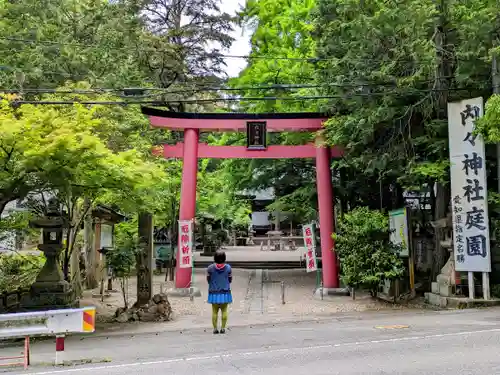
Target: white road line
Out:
[256,353]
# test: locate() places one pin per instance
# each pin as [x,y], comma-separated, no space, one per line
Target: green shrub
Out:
[19,270]
[495,291]
[366,254]
[122,259]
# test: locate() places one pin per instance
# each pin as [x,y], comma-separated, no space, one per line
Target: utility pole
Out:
[495,81]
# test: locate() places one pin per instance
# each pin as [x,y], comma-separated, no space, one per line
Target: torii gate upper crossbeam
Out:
[211,122]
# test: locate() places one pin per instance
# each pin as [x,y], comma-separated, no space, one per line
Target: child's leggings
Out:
[215,314]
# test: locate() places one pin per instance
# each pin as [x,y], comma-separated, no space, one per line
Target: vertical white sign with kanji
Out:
[185,244]
[398,224]
[471,236]
[310,245]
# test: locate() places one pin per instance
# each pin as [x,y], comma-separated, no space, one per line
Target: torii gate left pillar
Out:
[187,210]
[191,150]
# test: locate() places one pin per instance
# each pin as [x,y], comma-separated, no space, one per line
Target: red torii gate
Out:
[194,123]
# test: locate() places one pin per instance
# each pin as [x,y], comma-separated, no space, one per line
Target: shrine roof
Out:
[107,213]
[227,121]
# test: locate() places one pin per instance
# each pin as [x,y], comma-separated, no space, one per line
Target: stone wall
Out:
[11,302]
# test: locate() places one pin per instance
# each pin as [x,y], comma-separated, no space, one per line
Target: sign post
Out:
[469,193]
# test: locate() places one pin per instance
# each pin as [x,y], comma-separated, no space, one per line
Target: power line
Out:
[91,45]
[194,89]
[216,100]
[203,88]
[64,74]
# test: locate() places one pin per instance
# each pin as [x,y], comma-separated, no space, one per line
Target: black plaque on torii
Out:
[256,135]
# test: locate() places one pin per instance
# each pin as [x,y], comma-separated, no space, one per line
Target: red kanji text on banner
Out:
[185,244]
[310,245]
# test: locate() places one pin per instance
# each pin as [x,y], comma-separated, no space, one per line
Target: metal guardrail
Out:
[45,323]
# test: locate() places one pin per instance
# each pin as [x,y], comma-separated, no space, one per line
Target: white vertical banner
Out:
[185,244]
[106,236]
[310,245]
[471,235]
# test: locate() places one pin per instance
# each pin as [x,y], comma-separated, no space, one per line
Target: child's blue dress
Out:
[219,278]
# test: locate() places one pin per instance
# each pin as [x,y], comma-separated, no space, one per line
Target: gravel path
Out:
[256,295]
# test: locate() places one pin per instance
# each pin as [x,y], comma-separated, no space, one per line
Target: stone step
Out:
[442,289]
[443,279]
[435,287]
[270,265]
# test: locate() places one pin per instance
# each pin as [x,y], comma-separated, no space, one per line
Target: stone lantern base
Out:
[49,295]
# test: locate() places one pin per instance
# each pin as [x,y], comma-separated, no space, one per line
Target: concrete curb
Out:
[184,292]
[145,329]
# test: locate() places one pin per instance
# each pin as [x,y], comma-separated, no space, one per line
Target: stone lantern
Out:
[50,290]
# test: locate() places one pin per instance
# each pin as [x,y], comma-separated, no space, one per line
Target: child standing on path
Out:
[219,279]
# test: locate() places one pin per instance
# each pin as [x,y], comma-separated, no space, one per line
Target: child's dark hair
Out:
[220,257]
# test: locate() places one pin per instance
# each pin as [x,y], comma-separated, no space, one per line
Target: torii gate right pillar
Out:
[326,219]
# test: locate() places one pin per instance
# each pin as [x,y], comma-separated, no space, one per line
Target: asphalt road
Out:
[458,342]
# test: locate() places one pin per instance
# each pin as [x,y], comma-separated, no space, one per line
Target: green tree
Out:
[183,40]
[38,147]
[281,29]
[367,257]
[383,114]
[70,158]
[76,42]
[45,43]
[219,199]
[474,55]
[391,68]
[488,125]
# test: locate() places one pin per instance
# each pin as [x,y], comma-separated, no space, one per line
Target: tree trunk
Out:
[123,286]
[442,203]
[67,254]
[145,259]
[443,74]
[76,279]
[3,203]
[91,281]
